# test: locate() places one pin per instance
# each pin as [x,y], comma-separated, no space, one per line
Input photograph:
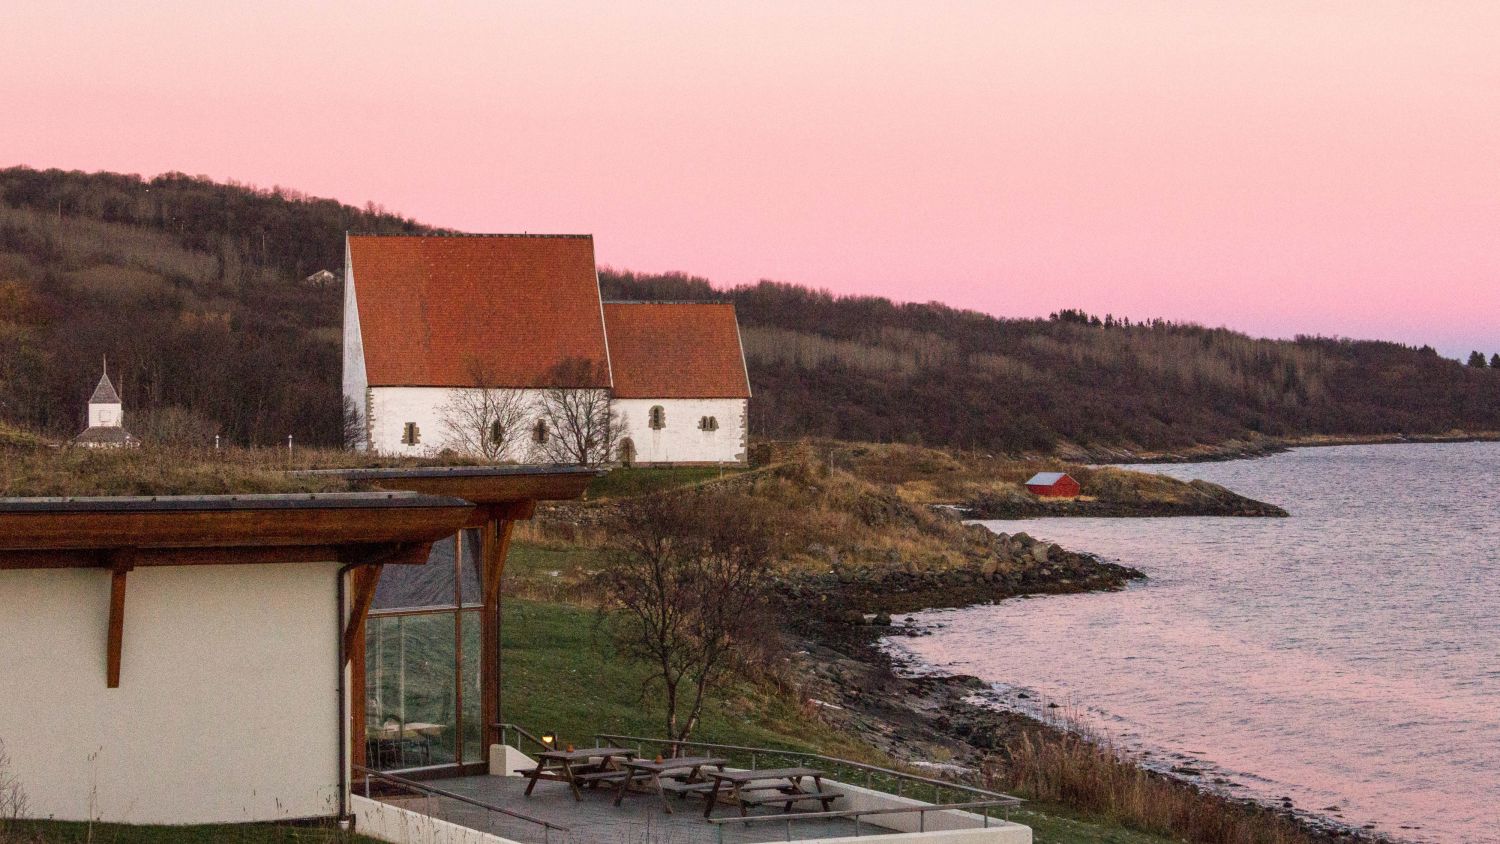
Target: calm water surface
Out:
[1347,657]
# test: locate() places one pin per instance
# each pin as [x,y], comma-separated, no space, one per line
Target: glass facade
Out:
[422,665]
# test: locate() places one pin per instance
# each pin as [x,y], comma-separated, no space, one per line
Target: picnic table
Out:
[589,766]
[775,786]
[685,776]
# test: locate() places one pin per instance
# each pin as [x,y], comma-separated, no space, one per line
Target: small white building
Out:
[681,387]
[439,330]
[106,428]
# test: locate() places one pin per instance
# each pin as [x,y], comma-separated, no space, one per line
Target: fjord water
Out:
[1347,657]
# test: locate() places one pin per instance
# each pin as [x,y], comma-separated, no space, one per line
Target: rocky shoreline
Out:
[1019,565]
[918,717]
[1201,498]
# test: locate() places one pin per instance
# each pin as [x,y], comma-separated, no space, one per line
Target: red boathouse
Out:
[1053,485]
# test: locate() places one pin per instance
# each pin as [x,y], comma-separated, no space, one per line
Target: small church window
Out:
[497,432]
[658,417]
[539,432]
[627,451]
[410,434]
[708,423]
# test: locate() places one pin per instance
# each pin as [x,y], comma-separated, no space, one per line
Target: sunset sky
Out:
[1278,167]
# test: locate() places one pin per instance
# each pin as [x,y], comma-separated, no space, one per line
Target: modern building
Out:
[252,658]
[227,682]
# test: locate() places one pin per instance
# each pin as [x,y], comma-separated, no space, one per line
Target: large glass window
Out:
[422,666]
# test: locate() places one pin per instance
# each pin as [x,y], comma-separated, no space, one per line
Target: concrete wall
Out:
[681,441]
[227,706]
[950,821]
[386,822]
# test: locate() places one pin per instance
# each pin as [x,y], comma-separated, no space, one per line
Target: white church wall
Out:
[227,708]
[356,381]
[681,440]
[391,408]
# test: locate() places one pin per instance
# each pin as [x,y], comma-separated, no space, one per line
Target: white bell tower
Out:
[105,408]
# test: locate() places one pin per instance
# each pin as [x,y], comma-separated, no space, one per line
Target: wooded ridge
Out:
[198,293]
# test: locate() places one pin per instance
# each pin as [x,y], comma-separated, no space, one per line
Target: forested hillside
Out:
[197,293]
[194,290]
[865,368]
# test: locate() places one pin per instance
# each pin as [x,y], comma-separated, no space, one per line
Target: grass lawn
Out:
[66,832]
[633,481]
[560,676]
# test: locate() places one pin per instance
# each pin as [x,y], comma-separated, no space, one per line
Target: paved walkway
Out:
[595,820]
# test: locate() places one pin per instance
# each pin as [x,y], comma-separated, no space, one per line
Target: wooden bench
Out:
[574,767]
[788,798]
[781,786]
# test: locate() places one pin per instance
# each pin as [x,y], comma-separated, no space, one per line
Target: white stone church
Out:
[501,347]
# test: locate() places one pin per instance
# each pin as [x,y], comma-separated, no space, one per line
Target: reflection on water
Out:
[1347,657]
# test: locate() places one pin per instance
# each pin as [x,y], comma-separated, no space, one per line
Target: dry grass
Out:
[32,466]
[936,476]
[1090,776]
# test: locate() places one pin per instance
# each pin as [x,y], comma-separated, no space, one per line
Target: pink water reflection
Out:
[1346,657]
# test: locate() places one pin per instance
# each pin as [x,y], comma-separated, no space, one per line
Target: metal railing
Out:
[875,777]
[548,827]
[856,814]
[506,729]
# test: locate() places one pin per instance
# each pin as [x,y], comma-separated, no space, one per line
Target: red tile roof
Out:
[431,308]
[676,350]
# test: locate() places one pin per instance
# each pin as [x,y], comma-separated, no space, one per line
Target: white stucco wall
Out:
[355,379]
[681,441]
[392,407]
[227,705]
[106,415]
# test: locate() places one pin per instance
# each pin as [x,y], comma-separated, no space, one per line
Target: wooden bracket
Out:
[120,563]
[365,581]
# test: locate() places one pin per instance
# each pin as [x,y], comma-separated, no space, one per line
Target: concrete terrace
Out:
[596,820]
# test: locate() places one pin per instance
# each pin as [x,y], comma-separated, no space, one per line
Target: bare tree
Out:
[352,425]
[12,796]
[686,595]
[577,422]
[174,426]
[484,421]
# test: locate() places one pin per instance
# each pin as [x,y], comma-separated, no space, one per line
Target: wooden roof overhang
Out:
[502,492]
[219,529]
[369,529]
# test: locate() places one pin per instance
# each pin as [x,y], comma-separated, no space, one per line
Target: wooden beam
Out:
[67,531]
[120,567]
[496,537]
[360,599]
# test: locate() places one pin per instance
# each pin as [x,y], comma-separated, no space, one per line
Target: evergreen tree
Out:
[1476,359]
[1495,361]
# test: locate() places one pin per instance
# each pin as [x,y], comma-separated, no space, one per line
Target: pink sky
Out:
[1279,167]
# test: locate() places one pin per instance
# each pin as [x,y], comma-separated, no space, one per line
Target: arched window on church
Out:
[539,432]
[657,418]
[627,451]
[708,423]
